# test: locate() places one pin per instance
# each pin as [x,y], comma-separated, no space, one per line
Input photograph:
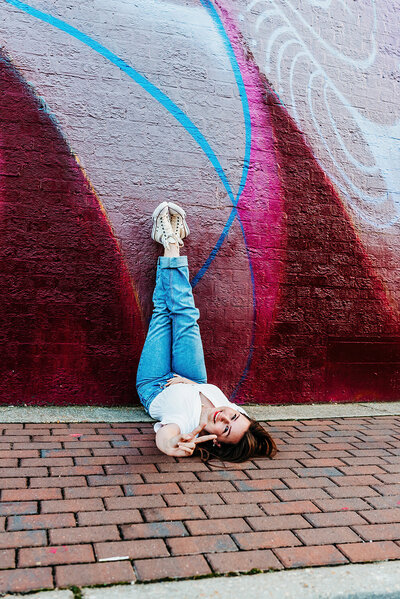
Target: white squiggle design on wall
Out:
[359,155]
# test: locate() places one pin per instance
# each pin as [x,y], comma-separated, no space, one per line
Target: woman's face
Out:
[228,424]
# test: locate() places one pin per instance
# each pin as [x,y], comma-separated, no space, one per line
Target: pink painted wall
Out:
[274,124]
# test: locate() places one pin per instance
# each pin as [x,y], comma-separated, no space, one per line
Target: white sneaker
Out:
[162,230]
[179,225]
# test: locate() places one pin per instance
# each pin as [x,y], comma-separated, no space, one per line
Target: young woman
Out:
[192,415]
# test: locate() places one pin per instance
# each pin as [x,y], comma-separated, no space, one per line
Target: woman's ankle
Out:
[172,251]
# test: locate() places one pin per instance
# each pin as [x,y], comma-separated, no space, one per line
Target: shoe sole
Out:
[154,216]
[175,209]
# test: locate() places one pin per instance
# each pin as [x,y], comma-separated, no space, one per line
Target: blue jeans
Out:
[173,343]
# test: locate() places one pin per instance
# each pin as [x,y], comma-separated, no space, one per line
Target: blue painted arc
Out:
[172,108]
[246,161]
[149,87]
[242,91]
[183,119]
[246,165]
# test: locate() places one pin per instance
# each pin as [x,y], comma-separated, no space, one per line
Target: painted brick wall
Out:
[274,123]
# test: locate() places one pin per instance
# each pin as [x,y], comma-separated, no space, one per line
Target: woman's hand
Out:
[178,379]
[184,445]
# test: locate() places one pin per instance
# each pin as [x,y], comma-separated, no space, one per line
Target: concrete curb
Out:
[355,581]
[36,414]
[358,581]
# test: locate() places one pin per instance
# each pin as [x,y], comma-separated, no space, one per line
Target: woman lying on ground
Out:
[171,379]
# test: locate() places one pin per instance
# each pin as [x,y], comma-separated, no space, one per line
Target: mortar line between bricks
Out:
[231,536]
[296,534]
[222,499]
[119,528]
[340,551]
[351,526]
[208,562]
[274,494]
[305,516]
[203,510]
[178,484]
[248,524]
[143,515]
[277,557]
[63,497]
[17,557]
[53,576]
[262,509]
[377,490]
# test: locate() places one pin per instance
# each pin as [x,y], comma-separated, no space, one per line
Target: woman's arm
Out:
[177,378]
[170,440]
[166,436]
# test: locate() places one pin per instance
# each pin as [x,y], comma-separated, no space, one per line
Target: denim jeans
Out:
[173,343]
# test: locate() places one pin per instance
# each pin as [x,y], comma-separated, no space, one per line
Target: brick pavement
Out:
[96,503]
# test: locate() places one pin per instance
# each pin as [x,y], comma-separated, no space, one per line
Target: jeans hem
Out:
[173,262]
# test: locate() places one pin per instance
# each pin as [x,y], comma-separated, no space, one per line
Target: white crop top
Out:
[181,404]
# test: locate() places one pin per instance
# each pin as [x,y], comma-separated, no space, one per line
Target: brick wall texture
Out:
[276,125]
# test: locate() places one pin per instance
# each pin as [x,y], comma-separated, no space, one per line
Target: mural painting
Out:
[271,122]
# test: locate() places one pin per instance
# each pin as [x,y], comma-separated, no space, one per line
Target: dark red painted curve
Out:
[70,324]
[317,295]
[330,297]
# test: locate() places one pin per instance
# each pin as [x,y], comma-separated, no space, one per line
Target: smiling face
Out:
[228,424]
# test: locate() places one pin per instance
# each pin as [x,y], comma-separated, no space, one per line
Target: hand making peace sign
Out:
[184,445]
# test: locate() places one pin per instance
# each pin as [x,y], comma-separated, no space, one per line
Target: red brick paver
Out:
[45,556]
[171,567]
[90,574]
[25,579]
[371,552]
[244,562]
[99,504]
[302,557]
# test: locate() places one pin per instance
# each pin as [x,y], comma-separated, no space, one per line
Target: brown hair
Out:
[256,442]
